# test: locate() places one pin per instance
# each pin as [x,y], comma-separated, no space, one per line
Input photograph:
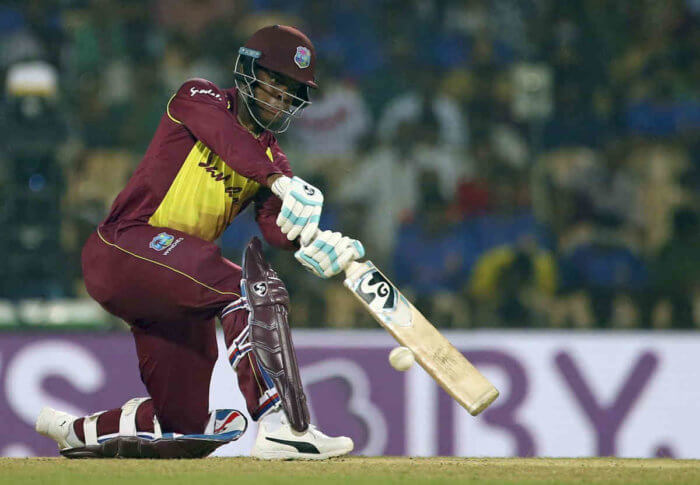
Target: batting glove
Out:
[329,253]
[301,208]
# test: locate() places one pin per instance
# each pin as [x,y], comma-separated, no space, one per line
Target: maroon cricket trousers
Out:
[170,296]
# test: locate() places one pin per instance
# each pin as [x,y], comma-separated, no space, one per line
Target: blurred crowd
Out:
[507,163]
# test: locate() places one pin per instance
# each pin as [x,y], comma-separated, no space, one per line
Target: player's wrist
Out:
[279,184]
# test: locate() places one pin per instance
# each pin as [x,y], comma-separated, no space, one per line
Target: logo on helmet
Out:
[303,57]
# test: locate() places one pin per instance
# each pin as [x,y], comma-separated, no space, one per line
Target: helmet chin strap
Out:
[245,82]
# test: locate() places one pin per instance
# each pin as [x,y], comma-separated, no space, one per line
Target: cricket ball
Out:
[401,358]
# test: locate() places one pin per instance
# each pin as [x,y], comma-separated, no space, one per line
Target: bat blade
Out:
[410,328]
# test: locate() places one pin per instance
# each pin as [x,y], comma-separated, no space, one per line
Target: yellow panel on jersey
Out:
[205,195]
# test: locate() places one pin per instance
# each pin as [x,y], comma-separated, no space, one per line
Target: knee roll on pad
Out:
[270,336]
[224,425]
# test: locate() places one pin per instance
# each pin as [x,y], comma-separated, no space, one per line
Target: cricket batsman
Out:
[153,263]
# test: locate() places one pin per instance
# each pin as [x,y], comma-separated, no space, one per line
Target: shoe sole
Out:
[292,455]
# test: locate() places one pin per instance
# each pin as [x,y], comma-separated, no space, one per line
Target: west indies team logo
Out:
[161,241]
[303,57]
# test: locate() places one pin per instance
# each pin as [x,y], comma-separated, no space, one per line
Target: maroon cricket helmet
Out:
[285,50]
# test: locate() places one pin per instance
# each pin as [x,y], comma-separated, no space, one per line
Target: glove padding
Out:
[301,208]
[329,253]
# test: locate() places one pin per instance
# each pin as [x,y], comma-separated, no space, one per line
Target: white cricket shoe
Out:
[58,426]
[278,441]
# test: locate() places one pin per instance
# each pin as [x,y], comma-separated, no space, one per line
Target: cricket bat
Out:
[410,328]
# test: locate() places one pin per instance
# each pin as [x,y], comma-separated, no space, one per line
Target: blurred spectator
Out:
[332,128]
[514,285]
[347,34]
[383,191]
[30,31]
[661,167]
[386,184]
[676,271]
[193,18]
[605,268]
[413,105]
[32,130]
[609,192]
[87,198]
[432,252]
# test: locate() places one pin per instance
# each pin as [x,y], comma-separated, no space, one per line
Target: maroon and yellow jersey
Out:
[202,168]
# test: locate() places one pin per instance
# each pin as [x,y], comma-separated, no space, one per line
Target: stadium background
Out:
[566,201]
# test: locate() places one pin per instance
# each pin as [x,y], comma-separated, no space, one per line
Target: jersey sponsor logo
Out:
[208,166]
[161,241]
[302,58]
[194,91]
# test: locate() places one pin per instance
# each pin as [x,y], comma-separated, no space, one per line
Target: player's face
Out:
[274,93]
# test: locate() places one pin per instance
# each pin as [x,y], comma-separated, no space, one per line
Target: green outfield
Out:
[234,471]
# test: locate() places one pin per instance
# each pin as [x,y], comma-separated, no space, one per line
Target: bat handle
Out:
[353,268]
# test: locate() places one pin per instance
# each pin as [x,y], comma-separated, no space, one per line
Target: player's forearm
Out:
[273,235]
[267,206]
[271,179]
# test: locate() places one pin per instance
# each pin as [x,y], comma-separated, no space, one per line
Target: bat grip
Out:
[352,269]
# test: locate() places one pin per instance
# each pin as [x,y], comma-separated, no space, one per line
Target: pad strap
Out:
[127,420]
[157,432]
[90,428]
[239,348]
[233,306]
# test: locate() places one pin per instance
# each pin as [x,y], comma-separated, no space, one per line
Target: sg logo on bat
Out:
[383,299]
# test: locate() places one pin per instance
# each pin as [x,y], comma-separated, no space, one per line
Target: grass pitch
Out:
[235,471]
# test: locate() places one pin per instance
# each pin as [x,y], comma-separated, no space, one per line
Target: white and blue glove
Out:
[301,208]
[329,253]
